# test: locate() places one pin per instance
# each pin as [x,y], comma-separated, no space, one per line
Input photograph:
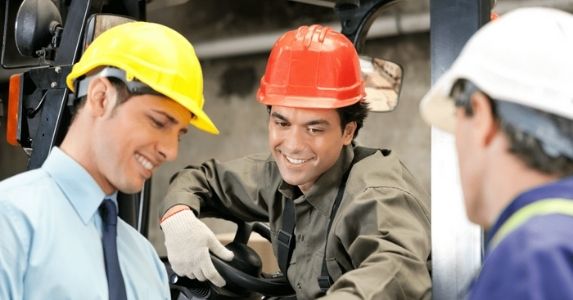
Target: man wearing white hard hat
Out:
[508,99]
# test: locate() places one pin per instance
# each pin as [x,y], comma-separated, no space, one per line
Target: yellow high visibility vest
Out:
[543,207]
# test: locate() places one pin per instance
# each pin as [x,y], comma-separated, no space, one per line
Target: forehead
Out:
[162,105]
[295,114]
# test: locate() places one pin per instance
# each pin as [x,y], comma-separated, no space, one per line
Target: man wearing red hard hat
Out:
[359,222]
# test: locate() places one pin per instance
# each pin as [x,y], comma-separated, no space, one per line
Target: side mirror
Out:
[37,22]
[383,81]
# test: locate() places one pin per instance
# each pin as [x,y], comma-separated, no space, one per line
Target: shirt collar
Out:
[558,189]
[79,187]
[322,193]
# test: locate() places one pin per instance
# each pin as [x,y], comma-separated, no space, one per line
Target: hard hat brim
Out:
[303,102]
[201,120]
[437,107]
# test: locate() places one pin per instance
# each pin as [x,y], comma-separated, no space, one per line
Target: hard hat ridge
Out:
[312,67]
[308,33]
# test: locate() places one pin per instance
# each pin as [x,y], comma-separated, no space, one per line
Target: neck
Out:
[76,144]
[508,177]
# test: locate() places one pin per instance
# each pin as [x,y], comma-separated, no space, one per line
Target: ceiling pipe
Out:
[384,26]
[260,43]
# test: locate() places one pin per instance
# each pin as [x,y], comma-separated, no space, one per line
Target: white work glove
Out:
[188,241]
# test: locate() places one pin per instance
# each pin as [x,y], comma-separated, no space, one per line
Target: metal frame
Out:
[456,243]
[357,19]
[54,117]
[45,91]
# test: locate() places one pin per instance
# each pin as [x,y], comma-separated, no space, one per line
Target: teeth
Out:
[295,161]
[144,162]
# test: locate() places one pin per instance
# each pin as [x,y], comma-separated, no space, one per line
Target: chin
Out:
[131,188]
[132,191]
[475,216]
[290,180]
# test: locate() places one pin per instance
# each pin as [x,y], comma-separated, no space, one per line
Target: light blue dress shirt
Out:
[50,239]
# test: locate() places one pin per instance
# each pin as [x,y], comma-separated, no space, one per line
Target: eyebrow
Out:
[309,123]
[279,116]
[171,119]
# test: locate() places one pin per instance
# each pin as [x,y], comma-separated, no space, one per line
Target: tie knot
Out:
[108,212]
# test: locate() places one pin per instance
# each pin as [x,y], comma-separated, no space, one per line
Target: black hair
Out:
[356,112]
[525,146]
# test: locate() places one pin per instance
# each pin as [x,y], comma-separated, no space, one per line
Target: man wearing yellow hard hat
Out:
[347,222]
[137,87]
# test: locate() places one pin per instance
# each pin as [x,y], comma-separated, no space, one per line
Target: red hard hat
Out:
[312,67]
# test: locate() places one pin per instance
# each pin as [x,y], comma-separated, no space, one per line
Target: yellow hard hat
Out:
[155,55]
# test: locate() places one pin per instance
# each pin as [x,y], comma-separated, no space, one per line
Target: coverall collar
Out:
[558,189]
[323,192]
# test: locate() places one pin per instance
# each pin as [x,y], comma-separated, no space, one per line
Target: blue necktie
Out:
[115,283]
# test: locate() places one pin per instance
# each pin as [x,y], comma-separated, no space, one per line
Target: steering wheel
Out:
[243,274]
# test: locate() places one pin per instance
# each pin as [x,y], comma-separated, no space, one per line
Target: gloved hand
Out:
[188,241]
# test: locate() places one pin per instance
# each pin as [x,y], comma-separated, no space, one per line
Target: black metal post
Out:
[54,118]
[456,244]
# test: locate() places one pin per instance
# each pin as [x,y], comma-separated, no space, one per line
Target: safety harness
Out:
[286,233]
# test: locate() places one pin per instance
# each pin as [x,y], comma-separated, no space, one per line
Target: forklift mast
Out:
[43,112]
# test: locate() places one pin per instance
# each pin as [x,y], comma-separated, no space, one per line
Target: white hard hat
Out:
[524,57]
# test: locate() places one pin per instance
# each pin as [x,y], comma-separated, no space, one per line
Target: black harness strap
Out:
[285,237]
[324,280]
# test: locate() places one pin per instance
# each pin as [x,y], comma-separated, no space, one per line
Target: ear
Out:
[348,133]
[484,122]
[101,96]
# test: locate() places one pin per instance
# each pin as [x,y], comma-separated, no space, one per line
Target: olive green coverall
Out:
[379,243]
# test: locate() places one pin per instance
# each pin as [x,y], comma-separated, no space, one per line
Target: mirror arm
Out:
[357,19]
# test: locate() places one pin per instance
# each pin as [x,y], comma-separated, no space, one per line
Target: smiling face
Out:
[128,142]
[305,143]
[121,145]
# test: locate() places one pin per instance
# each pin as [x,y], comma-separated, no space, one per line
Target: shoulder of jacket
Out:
[265,165]
[379,166]
[384,171]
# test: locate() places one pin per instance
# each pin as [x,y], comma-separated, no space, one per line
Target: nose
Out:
[168,147]
[293,140]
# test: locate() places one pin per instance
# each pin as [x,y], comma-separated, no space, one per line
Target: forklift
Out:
[42,39]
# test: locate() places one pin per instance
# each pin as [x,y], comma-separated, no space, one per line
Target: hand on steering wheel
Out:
[188,242]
